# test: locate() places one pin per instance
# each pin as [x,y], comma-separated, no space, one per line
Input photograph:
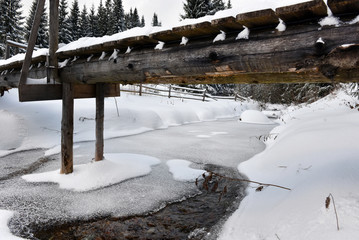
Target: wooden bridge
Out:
[304,52]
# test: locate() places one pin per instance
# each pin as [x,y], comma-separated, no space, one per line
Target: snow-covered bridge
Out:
[305,42]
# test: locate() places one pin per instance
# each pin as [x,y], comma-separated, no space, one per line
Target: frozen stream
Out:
[225,143]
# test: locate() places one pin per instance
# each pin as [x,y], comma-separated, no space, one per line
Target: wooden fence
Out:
[172,91]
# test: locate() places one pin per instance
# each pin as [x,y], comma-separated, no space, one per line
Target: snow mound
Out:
[254,116]
[5,233]
[114,169]
[182,172]
[13,131]
[315,154]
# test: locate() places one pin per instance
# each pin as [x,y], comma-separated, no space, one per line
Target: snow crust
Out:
[182,171]
[33,125]
[315,153]
[5,233]
[114,169]
[254,116]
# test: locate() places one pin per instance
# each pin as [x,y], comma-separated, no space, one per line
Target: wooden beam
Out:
[344,7]
[67,129]
[54,38]
[31,43]
[100,106]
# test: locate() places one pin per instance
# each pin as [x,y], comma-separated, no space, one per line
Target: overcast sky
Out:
[168,11]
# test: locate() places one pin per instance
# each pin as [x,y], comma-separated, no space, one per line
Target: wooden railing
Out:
[172,91]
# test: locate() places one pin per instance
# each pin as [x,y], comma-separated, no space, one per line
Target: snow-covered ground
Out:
[315,153]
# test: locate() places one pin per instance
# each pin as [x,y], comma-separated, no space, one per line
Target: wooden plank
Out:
[32,41]
[100,112]
[261,18]
[54,92]
[166,36]
[196,30]
[67,129]
[227,24]
[344,7]
[305,11]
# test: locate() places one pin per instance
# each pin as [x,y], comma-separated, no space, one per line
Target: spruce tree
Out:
[102,20]
[217,5]
[229,5]
[11,23]
[129,19]
[135,19]
[84,23]
[109,18]
[118,17]
[142,21]
[42,35]
[93,26]
[64,26]
[74,21]
[196,8]
[155,21]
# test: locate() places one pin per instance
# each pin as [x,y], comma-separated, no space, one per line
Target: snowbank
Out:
[5,233]
[315,154]
[182,171]
[118,168]
[254,116]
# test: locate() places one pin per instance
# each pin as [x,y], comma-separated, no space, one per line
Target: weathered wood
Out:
[265,54]
[54,92]
[302,11]
[227,24]
[202,29]
[166,36]
[262,18]
[344,7]
[32,41]
[100,106]
[67,129]
[53,38]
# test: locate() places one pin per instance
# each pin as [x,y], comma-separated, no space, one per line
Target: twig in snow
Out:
[327,203]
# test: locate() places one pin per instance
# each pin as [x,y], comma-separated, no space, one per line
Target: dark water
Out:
[196,217]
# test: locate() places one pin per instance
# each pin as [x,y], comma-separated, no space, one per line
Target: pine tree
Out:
[11,23]
[196,8]
[93,26]
[42,36]
[84,23]
[102,20]
[229,5]
[128,19]
[142,21]
[155,21]
[217,5]
[135,19]
[118,17]
[74,21]
[64,26]
[109,18]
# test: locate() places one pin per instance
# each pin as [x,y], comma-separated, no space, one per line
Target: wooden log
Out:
[166,36]
[32,41]
[67,129]
[258,19]
[100,106]
[344,7]
[53,39]
[300,12]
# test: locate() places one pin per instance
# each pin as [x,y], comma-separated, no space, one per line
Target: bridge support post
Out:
[100,112]
[67,128]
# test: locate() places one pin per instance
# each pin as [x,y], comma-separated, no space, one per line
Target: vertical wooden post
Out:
[7,50]
[140,89]
[204,95]
[53,38]
[169,91]
[67,128]
[100,112]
